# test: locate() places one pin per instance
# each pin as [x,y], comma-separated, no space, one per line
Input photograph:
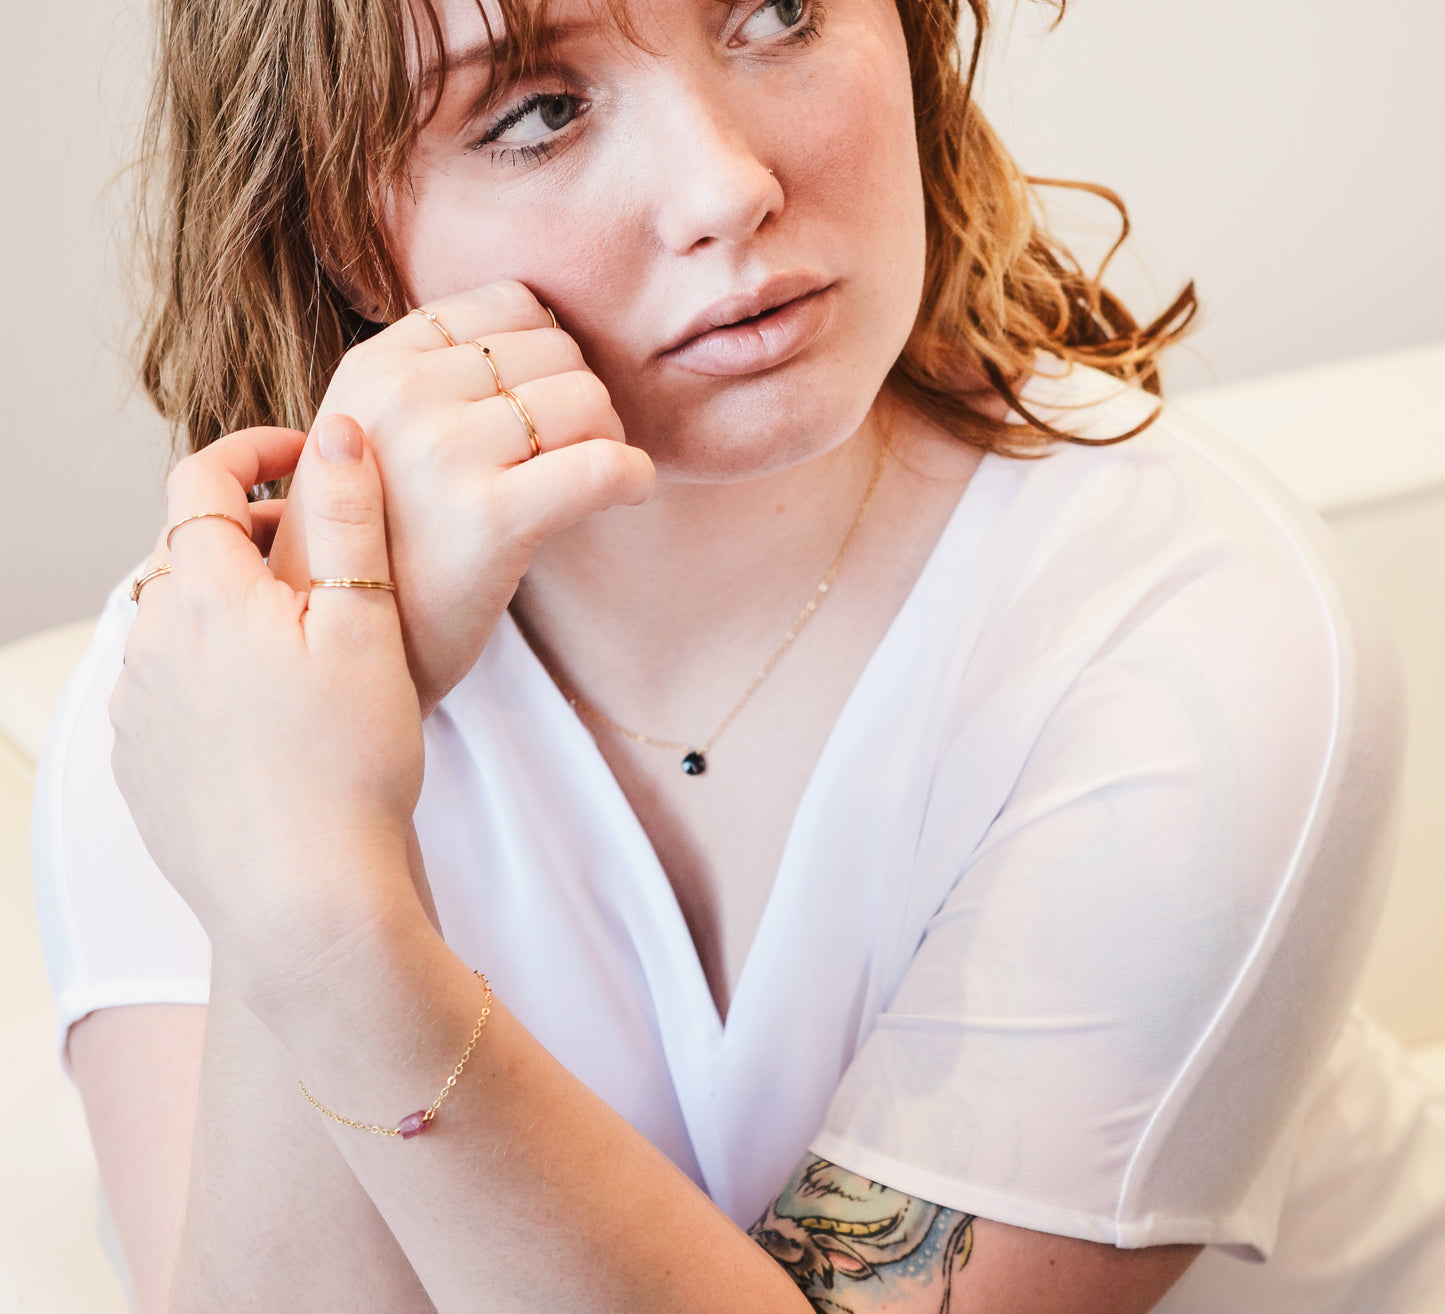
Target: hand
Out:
[268,739]
[466,503]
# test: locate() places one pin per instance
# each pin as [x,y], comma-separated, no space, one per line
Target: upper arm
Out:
[138,1070]
[854,1246]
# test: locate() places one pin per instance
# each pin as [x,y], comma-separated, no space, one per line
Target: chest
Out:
[721,836]
[765,715]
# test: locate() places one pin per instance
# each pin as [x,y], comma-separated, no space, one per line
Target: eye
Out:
[772,19]
[536,117]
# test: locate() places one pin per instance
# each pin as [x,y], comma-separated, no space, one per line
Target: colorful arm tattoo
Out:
[855,1247]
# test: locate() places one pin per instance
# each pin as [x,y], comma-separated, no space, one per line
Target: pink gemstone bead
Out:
[412,1125]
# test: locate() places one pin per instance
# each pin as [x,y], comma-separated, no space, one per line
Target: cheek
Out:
[452,236]
[855,167]
[856,116]
[860,143]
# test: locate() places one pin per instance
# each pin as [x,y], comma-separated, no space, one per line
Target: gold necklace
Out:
[694,761]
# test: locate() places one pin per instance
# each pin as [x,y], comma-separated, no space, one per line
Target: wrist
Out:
[375,1034]
[341,911]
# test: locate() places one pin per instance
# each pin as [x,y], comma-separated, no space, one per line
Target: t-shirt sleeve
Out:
[1110,1023]
[114,930]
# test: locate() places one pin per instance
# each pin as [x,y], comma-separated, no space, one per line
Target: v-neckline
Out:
[708,1030]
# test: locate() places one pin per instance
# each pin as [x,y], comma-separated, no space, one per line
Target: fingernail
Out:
[339,438]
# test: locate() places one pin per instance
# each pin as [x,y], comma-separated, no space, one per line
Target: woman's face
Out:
[752,161]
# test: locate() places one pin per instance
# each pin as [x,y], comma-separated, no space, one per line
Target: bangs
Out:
[519,36]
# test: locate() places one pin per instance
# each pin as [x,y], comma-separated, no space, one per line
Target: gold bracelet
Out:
[414,1123]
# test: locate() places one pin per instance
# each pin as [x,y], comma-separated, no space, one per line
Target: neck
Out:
[695,586]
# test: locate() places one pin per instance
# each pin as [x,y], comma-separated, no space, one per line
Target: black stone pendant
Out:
[694,763]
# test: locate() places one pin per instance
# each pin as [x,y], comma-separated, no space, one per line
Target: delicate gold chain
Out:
[423,1117]
[809,607]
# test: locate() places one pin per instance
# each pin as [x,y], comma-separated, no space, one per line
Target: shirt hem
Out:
[71,1005]
[1020,1211]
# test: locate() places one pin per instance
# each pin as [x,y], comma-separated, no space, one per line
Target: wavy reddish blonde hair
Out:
[277,126]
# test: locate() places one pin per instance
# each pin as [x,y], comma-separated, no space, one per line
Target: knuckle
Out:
[357,360]
[608,462]
[355,374]
[564,346]
[183,476]
[345,508]
[587,391]
[515,297]
[386,391]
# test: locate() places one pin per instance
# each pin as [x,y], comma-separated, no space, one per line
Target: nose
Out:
[711,183]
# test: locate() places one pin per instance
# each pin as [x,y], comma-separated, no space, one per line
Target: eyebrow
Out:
[492,53]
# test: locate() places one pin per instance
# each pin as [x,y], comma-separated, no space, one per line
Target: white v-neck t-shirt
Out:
[1066,927]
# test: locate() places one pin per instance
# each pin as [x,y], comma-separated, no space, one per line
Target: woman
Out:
[955,865]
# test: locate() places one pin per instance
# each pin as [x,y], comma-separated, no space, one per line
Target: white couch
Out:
[1363,441]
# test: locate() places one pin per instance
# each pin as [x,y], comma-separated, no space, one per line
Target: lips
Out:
[755,330]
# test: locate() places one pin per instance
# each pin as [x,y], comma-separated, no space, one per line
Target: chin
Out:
[749,443]
[749,428]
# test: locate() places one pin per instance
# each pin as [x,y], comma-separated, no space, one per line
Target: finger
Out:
[344,528]
[561,488]
[564,409]
[214,483]
[503,307]
[463,371]
[265,517]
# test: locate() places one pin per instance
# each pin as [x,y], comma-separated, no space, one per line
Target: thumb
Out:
[344,529]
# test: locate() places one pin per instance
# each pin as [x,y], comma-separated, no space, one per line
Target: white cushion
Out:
[32,673]
[49,1259]
[1341,434]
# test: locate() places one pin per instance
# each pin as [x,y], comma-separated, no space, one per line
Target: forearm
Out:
[526,1192]
[275,1219]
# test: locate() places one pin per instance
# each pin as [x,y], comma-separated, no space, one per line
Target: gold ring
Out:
[354,584]
[431,318]
[552,315]
[491,364]
[138,584]
[206,515]
[516,404]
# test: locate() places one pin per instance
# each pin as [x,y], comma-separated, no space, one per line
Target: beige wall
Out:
[84,463]
[1287,155]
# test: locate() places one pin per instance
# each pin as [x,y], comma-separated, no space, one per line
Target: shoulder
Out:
[1174,488]
[1178,533]
[1169,600]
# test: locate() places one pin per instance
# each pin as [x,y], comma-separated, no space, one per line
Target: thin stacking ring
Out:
[552,315]
[354,584]
[491,364]
[138,584]
[205,515]
[516,404]
[431,318]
